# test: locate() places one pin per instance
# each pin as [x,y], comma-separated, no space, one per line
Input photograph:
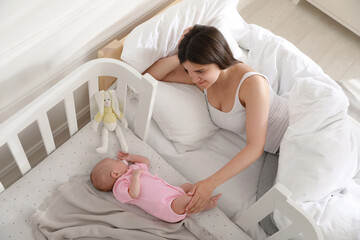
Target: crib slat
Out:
[2,188]
[19,154]
[71,114]
[46,134]
[93,87]
[278,197]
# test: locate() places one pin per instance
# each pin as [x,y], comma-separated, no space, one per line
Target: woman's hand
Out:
[201,193]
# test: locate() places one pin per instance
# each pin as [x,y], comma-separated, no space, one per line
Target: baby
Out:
[134,184]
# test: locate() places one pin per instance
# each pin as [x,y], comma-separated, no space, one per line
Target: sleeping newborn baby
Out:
[134,184]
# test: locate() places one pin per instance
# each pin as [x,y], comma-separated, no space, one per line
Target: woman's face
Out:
[202,75]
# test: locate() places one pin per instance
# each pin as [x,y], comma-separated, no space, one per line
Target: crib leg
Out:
[120,136]
[105,141]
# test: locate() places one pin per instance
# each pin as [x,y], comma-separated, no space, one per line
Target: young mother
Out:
[239,99]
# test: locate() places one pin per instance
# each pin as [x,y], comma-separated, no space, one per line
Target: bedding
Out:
[351,88]
[315,176]
[180,111]
[328,188]
[327,172]
[90,211]
[146,41]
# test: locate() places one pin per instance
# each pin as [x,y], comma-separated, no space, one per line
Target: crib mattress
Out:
[76,157]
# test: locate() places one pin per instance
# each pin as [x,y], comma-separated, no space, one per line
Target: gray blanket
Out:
[78,211]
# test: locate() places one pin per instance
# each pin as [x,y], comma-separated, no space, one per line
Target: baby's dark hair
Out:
[206,45]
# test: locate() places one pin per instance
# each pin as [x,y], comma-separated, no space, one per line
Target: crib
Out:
[22,207]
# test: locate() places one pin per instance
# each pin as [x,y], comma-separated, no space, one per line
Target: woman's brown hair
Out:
[206,45]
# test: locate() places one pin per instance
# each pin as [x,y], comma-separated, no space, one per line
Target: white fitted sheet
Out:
[77,156]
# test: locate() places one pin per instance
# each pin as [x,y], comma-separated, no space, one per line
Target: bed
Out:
[177,154]
[320,179]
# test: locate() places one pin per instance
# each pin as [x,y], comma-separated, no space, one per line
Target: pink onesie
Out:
[155,196]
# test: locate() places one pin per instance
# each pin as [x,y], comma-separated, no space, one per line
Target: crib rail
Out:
[278,197]
[36,111]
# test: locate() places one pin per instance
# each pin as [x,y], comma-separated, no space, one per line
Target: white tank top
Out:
[235,120]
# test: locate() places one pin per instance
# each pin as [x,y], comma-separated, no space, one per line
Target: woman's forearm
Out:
[161,68]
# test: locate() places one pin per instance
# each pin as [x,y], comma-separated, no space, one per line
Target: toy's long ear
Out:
[114,102]
[99,98]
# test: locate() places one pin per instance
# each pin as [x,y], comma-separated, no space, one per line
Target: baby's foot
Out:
[213,202]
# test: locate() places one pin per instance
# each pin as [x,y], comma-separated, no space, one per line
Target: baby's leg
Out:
[213,202]
[186,187]
[179,203]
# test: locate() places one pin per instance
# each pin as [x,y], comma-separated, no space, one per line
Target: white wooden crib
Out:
[21,199]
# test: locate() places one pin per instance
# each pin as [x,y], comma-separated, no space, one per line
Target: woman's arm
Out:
[169,69]
[255,92]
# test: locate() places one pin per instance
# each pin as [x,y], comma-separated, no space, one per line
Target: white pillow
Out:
[158,37]
[237,52]
[181,112]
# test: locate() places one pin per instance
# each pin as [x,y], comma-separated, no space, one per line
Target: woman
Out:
[239,100]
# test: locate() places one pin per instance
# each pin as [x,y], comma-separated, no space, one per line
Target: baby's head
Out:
[106,172]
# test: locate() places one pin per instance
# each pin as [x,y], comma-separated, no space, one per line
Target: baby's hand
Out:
[122,155]
[137,172]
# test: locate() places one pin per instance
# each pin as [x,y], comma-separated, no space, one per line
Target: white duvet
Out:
[319,155]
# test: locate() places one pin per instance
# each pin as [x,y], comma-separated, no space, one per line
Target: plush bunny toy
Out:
[109,112]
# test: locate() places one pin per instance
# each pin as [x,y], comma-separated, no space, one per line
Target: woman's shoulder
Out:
[250,80]
[241,69]
[238,71]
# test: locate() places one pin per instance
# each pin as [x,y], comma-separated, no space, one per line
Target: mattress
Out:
[26,195]
[75,157]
